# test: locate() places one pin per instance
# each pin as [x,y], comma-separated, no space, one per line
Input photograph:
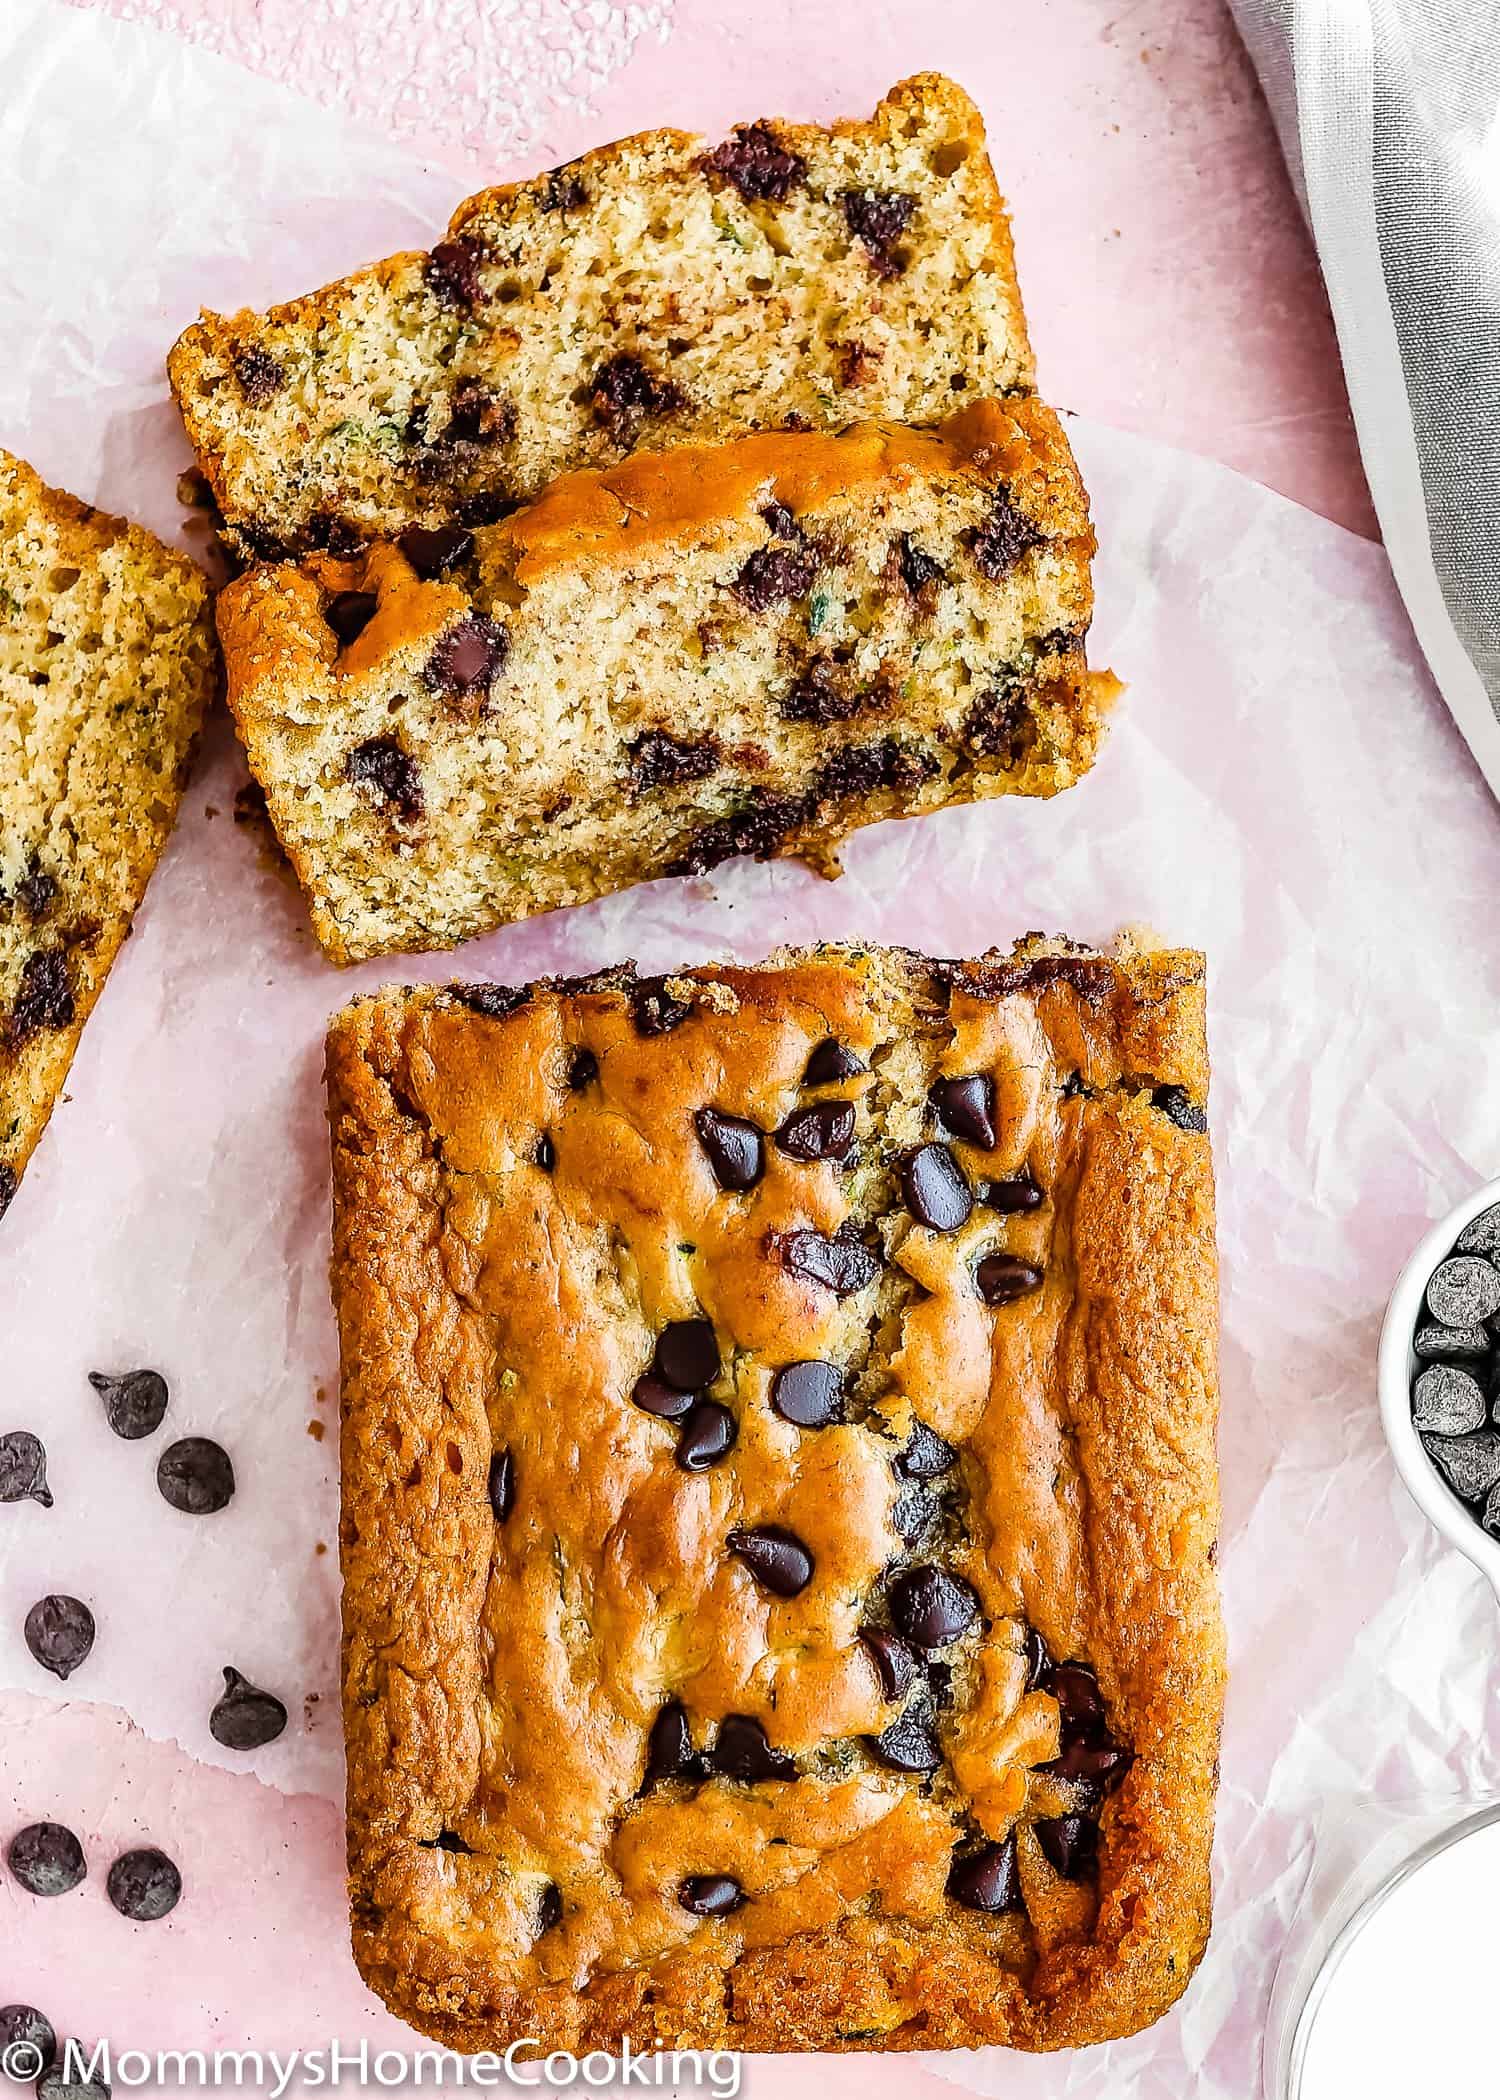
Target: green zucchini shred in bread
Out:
[107,661]
[654,291]
[746,648]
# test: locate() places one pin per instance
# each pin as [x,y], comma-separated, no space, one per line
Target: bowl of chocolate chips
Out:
[1440,1377]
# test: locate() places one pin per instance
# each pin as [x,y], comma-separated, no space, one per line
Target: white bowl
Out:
[1398,1367]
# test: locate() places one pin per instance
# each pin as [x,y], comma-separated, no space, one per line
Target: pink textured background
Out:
[1172,291]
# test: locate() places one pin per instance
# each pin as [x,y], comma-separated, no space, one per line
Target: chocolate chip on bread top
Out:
[779,1500]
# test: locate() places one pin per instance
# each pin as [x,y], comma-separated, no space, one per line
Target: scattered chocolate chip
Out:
[349,613]
[659,760]
[8,1186]
[1094,1766]
[502,1485]
[1006,534]
[1463,1290]
[655,1010]
[550,1909]
[44,998]
[936,1193]
[759,166]
[1447,1401]
[710,1895]
[1469,1464]
[735,1148]
[545,1154]
[707,1435]
[987,1880]
[878,218]
[780,522]
[741,1751]
[23,2025]
[1038,1661]
[1019,1194]
[825,693]
[927,1456]
[1436,1344]
[434,550]
[260,376]
[1071,1843]
[761,829]
[46,1859]
[625,393]
[244,1717]
[918,570]
[23,1468]
[135,1402]
[687,1355]
[859,769]
[144,1885]
[998,725]
[669,1747]
[36,893]
[895,1664]
[1002,1277]
[583,1070]
[915,1513]
[338,535]
[966,1108]
[445,1841]
[195,1476]
[60,1633]
[563,191]
[495,1001]
[1079,1700]
[1179,1107]
[776,1557]
[452,272]
[810,1394]
[476,417]
[931,1607]
[823,1131]
[841,1265]
[467,660]
[655,1397]
[381,764]
[774,576]
[908,1744]
[831,1062]
[56,2084]
[1482,1234]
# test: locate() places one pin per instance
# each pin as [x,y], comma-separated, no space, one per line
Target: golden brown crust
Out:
[502,1677]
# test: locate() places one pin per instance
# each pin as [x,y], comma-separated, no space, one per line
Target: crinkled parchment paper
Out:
[1282,787]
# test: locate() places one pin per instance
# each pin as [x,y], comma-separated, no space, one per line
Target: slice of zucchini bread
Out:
[106,663]
[751,648]
[654,291]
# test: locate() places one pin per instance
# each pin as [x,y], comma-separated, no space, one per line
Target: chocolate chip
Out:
[545,1154]
[1094,1766]
[895,1664]
[1463,1290]
[452,272]
[495,1001]
[710,1895]
[841,1265]
[381,764]
[1179,1107]
[987,1880]
[550,1909]
[467,660]
[780,522]
[260,376]
[502,1485]
[23,1468]
[966,1108]
[810,1394]
[654,1397]
[687,1355]
[60,1633]
[1002,1277]
[1080,1702]
[56,2084]
[1006,534]
[926,1456]
[46,1859]
[134,1401]
[433,550]
[734,1147]
[831,1062]
[44,998]
[669,1747]
[915,1513]
[761,829]
[908,1745]
[859,769]
[823,1131]
[349,613]
[8,1186]
[936,1193]
[1447,1401]
[244,1717]
[1435,1344]
[195,1476]
[1469,1464]
[878,218]
[36,893]
[23,2025]
[1038,1661]
[445,1841]
[760,167]
[774,576]
[998,725]
[1482,1234]
[1071,1843]
[1020,1194]
[655,1010]
[563,191]
[583,1070]
[918,570]
[825,693]
[707,1435]
[326,529]
[741,1751]
[775,1556]
[144,1885]
[931,1607]
[659,760]
[624,393]
[476,417]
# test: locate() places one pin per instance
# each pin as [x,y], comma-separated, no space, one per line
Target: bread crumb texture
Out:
[779,1500]
[107,661]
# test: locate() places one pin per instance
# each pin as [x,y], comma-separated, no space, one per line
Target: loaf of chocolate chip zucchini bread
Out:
[779,1500]
[107,661]
[754,647]
[655,290]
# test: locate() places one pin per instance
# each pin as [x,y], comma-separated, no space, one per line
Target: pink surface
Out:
[1172,291]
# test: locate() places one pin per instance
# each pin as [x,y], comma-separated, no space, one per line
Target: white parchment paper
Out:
[1282,788]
